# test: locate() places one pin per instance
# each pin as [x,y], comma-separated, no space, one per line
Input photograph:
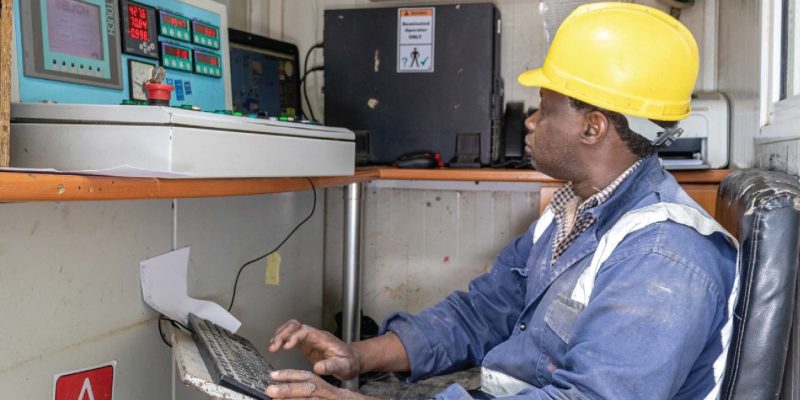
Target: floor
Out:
[387,386]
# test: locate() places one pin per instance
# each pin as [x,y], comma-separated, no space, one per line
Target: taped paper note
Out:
[273,276]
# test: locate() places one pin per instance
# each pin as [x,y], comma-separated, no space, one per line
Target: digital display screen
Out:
[73,28]
[137,23]
[174,21]
[207,59]
[176,52]
[205,30]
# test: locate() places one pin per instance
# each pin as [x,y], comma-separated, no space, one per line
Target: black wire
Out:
[317,68]
[174,323]
[305,73]
[161,332]
[310,214]
[179,325]
[305,90]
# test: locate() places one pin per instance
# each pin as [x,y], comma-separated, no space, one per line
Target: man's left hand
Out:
[295,384]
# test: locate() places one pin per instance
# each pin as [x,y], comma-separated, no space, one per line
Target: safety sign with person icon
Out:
[415,34]
[415,57]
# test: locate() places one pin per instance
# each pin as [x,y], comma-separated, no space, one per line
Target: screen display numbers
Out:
[205,30]
[137,23]
[175,22]
[208,59]
[139,34]
[177,52]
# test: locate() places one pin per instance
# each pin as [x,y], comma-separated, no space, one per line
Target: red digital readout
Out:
[177,52]
[137,23]
[207,59]
[174,21]
[205,30]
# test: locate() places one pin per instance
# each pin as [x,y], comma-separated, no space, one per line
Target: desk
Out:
[15,187]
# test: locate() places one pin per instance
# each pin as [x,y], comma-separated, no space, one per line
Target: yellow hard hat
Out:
[622,57]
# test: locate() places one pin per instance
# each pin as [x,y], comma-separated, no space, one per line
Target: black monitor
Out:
[265,75]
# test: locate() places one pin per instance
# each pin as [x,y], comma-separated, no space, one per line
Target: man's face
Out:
[553,136]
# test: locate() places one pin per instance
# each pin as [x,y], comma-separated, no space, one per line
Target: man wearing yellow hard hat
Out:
[623,289]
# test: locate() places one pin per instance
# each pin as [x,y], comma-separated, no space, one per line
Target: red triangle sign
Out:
[92,384]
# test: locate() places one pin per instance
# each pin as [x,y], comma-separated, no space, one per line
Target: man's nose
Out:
[531,122]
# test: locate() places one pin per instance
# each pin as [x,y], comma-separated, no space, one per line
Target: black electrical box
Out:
[414,79]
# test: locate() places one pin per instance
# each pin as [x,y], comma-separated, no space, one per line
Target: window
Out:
[780,90]
[790,50]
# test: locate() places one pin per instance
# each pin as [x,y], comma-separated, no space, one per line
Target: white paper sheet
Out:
[126,171]
[164,287]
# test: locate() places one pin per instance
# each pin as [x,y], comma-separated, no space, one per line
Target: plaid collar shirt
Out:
[568,213]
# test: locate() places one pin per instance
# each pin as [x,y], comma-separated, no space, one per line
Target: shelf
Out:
[455,174]
[511,175]
[57,187]
[17,187]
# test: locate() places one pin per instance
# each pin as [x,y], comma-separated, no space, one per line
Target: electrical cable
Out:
[317,68]
[161,332]
[305,73]
[310,214]
[175,324]
[305,91]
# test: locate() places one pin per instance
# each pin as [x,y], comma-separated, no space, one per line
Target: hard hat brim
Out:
[533,78]
[537,78]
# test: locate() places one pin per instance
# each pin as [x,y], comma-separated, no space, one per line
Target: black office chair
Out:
[762,209]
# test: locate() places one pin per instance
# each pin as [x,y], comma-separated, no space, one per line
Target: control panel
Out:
[102,51]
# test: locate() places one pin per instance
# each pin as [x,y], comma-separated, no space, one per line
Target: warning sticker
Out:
[91,384]
[415,39]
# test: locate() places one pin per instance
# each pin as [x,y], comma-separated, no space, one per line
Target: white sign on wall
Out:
[415,37]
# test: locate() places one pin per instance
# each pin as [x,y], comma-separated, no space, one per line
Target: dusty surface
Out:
[389,387]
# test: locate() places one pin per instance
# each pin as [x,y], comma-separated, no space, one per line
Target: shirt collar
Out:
[565,195]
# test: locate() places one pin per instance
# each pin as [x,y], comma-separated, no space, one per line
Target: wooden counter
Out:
[56,187]
[520,175]
[19,187]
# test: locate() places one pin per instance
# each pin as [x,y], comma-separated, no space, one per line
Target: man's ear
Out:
[597,126]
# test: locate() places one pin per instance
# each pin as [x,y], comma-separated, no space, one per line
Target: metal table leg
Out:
[351,275]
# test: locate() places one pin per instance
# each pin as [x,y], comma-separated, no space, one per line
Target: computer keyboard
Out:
[232,360]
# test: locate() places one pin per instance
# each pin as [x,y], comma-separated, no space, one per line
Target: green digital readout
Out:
[176,57]
[174,26]
[207,64]
[205,34]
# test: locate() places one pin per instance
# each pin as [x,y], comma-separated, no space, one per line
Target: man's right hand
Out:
[329,354]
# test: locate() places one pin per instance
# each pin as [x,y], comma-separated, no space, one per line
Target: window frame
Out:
[778,117]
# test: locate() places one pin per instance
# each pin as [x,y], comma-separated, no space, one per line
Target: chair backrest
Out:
[762,209]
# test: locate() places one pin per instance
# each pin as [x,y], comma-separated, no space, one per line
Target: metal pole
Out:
[351,270]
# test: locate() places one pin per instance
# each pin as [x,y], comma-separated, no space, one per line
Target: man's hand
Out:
[296,384]
[329,355]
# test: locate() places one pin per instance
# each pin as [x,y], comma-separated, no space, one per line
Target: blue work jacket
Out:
[651,330]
